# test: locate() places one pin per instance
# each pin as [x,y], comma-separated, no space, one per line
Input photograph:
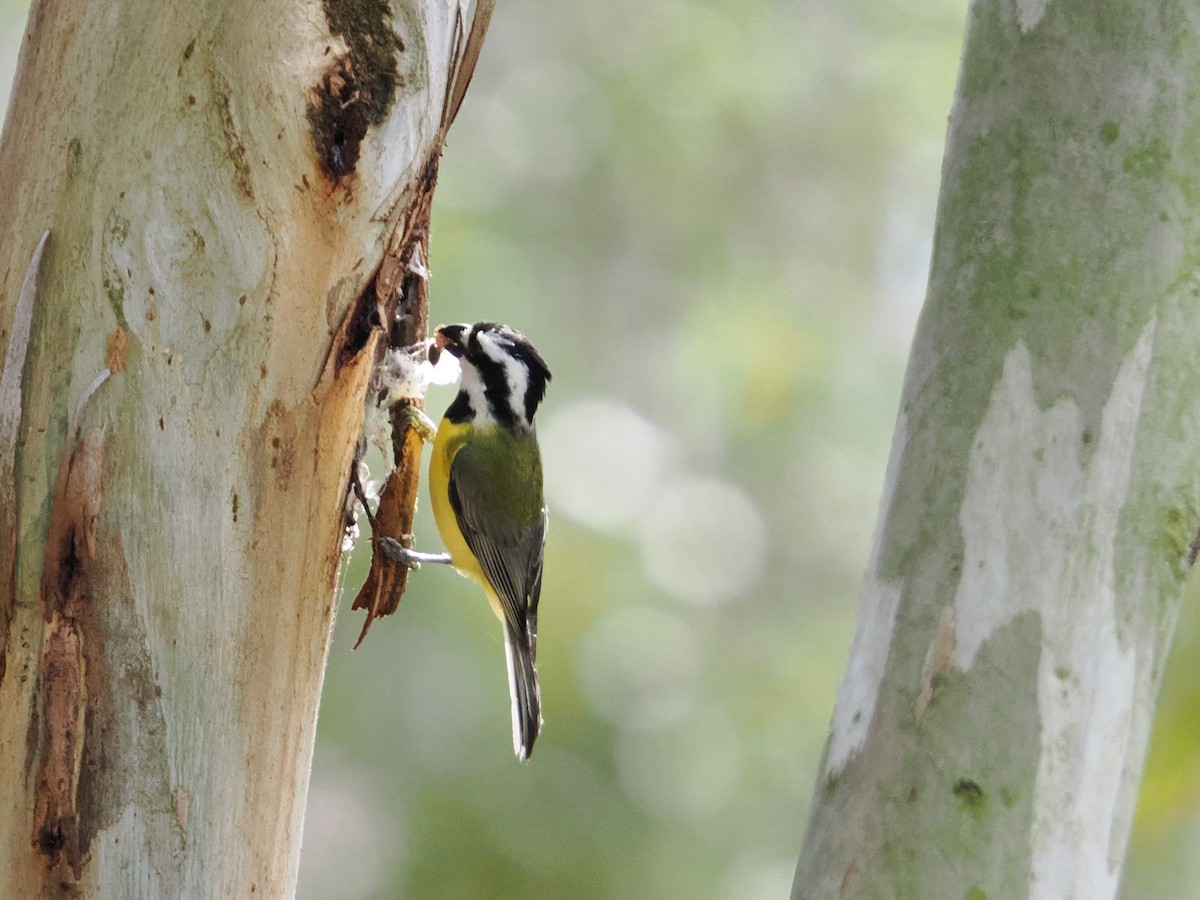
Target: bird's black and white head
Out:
[503,377]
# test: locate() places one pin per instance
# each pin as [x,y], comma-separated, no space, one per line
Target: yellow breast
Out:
[450,439]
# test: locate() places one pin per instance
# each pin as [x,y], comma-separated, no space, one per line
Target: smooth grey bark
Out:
[219,180]
[1044,486]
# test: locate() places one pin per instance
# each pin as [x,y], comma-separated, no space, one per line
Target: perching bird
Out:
[485,482]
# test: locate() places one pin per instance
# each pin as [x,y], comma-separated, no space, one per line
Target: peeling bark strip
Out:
[401,287]
[386,581]
[11,375]
[70,546]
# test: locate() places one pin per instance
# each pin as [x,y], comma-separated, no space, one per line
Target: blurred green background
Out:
[714,220]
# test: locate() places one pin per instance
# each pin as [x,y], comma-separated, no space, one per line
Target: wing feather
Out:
[508,545]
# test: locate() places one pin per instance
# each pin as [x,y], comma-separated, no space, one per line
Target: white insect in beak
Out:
[446,370]
[404,378]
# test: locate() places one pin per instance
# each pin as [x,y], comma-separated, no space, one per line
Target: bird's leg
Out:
[416,419]
[395,550]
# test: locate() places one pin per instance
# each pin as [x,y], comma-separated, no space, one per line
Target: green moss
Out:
[1109,132]
[976,893]
[983,60]
[1177,535]
[1147,160]
[971,797]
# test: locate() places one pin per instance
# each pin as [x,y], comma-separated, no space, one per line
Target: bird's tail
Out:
[524,691]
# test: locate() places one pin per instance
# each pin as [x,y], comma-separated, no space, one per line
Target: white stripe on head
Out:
[495,348]
[474,387]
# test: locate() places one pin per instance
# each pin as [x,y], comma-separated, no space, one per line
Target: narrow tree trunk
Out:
[1044,487]
[219,179]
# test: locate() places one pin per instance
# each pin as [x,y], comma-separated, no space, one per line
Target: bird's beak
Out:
[449,338]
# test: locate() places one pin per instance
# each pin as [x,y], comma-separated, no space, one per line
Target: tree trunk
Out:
[1044,487]
[219,180]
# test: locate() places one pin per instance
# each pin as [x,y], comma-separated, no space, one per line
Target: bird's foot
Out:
[416,419]
[396,551]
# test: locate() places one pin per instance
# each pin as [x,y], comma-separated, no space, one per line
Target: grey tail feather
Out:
[524,691]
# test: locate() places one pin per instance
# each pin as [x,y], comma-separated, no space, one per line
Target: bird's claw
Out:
[397,552]
[416,419]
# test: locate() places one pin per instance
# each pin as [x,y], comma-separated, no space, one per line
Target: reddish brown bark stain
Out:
[70,547]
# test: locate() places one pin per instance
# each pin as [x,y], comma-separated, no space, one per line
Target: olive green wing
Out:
[496,494]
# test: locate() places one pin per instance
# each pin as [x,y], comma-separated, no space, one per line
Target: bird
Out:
[485,486]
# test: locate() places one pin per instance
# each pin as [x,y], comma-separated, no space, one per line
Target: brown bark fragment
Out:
[70,548]
[118,347]
[381,592]
[56,819]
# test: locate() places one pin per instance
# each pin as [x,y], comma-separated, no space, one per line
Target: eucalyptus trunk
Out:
[1043,494]
[219,181]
